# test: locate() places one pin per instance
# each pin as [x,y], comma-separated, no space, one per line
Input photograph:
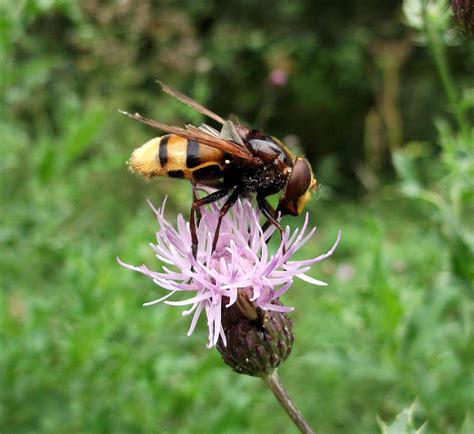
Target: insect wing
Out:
[191,103]
[239,144]
[200,136]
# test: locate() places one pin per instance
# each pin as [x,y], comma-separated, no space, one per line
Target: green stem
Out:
[439,54]
[273,382]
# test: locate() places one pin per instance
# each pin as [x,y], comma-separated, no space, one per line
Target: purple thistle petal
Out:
[278,308]
[157,211]
[222,336]
[191,309]
[196,316]
[217,323]
[192,300]
[282,290]
[311,280]
[150,303]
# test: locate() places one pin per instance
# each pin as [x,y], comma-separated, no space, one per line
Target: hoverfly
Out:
[236,160]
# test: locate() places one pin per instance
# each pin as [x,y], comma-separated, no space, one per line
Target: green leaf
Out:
[403,423]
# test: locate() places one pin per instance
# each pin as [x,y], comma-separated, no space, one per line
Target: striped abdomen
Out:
[177,157]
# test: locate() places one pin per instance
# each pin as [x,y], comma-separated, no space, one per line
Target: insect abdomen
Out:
[177,157]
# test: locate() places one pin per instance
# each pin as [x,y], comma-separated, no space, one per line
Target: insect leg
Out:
[213,197]
[269,213]
[195,198]
[268,223]
[224,210]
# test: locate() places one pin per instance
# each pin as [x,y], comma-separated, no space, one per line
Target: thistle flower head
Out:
[240,272]
[279,77]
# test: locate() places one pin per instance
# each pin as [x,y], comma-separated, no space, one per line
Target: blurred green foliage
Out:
[78,353]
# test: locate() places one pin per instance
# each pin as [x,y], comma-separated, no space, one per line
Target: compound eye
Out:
[300,180]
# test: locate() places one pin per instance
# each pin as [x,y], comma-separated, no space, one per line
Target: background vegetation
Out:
[379,95]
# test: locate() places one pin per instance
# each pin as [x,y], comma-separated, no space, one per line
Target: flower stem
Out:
[438,52]
[273,382]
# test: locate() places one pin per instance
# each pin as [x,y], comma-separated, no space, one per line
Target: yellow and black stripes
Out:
[193,154]
[177,157]
[163,151]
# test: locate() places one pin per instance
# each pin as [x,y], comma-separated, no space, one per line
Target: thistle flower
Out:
[241,272]
[279,77]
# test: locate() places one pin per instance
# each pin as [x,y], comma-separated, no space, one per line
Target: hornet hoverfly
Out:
[236,161]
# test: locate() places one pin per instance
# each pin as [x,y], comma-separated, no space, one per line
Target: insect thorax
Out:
[265,180]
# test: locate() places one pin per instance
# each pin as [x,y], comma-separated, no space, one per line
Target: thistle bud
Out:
[463,11]
[257,341]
